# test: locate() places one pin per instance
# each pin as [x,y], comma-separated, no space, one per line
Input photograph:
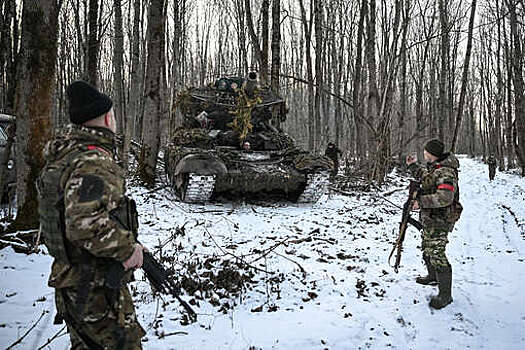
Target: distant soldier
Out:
[246,147]
[491,162]
[87,224]
[438,200]
[333,152]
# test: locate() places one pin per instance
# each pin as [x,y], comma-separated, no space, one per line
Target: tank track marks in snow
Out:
[199,188]
[315,187]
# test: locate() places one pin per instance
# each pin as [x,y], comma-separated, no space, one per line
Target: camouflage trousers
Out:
[336,167]
[434,243]
[492,173]
[108,321]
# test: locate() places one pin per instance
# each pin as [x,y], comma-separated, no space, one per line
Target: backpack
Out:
[51,205]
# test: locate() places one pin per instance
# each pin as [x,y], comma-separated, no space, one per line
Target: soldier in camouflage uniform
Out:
[81,201]
[438,199]
[333,152]
[491,162]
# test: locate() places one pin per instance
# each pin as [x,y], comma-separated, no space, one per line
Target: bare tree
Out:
[261,54]
[443,74]
[9,38]
[153,93]
[118,84]
[93,44]
[36,76]
[519,96]
[276,44]
[464,80]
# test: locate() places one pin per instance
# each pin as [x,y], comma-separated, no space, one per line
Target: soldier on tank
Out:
[438,199]
[85,223]
[491,162]
[333,152]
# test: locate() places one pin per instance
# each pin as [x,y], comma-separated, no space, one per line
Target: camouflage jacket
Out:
[332,153]
[93,185]
[439,190]
[491,161]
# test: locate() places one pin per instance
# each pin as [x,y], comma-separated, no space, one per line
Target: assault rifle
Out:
[405,220]
[157,276]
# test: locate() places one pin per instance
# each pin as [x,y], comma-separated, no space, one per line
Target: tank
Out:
[228,147]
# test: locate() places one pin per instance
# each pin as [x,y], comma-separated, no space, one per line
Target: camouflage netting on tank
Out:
[195,138]
[308,163]
[242,124]
[204,139]
[221,105]
[269,141]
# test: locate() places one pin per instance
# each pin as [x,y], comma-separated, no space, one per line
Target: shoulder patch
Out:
[91,188]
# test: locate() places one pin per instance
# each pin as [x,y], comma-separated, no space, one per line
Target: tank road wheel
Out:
[316,186]
[196,188]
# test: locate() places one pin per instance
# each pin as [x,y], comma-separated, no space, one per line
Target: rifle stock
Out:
[405,220]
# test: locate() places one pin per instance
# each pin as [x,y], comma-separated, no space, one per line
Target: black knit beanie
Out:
[86,102]
[435,147]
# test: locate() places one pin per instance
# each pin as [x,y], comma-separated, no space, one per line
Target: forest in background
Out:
[376,77]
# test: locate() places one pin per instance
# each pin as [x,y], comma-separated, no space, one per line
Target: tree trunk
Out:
[356,95]
[276,44]
[34,103]
[319,57]
[133,116]
[404,87]
[443,74]
[265,13]
[261,55]
[373,93]
[118,81]
[276,52]
[93,44]
[511,154]
[153,93]
[307,26]
[464,80]
[8,53]
[519,97]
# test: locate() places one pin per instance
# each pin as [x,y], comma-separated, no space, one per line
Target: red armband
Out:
[446,187]
[93,147]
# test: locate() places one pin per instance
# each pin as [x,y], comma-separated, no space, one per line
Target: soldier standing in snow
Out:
[438,199]
[333,152]
[86,224]
[491,162]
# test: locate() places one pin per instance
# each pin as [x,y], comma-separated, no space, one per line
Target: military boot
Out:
[445,288]
[430,279]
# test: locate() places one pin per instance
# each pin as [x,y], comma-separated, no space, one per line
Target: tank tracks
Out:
[199,188]
[316,186]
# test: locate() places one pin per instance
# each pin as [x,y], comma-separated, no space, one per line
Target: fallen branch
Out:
[325,240]
[271,249]
[17,247]
[518,223]
[233,255]
[19,340]
[57,335]
[301,240]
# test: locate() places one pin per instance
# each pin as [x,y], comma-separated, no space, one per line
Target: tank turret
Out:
[209,157]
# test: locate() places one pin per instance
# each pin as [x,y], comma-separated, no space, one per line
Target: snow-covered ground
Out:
[321,281]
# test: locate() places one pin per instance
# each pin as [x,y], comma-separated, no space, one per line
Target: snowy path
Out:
[346,298]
